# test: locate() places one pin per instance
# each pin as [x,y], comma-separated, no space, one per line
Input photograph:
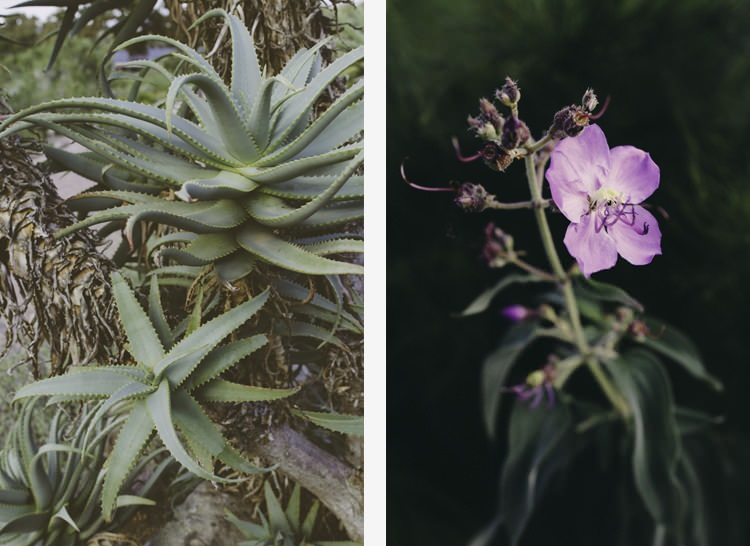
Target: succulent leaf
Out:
[261,242]
[220,390]
[133,436]
[145,345]
[240,155]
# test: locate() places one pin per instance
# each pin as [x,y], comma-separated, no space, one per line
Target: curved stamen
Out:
[462,157]
[601,112]
[417,186]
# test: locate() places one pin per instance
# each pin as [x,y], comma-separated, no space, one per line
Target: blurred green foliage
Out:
[25,80]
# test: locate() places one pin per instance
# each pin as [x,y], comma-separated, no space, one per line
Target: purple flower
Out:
[599,190]
[538,384]
[517,313]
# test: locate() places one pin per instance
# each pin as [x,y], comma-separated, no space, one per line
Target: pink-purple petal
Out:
[632,173]
[587,158]
[640,242]
[566,187]
[593,251]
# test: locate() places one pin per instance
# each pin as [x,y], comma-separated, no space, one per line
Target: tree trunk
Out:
[53,291]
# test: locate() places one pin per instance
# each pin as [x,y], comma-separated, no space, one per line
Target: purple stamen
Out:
[462,157]
[601,112]
[423,188]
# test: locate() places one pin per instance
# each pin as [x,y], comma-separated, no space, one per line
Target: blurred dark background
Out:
[678,73]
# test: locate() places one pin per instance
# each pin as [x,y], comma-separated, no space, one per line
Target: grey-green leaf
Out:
[643,381]
[337,422]
[670,342]
[498,365]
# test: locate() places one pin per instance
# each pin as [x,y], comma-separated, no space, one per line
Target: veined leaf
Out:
[599,291]
[670,342]
[540,443]
[498,365]
[642,380]
[483,301]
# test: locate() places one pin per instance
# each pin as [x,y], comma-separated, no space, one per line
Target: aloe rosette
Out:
[284,526]
[242,169]
[49,492]
[163,392]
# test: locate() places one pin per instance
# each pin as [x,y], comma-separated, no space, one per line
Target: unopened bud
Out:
[638,329]
[498,246]
[515,133]
[569,121]
[495,157]
[472,197]
[509,94]
[517,313]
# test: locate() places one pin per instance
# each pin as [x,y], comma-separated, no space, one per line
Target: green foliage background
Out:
[678,74]
[24,78]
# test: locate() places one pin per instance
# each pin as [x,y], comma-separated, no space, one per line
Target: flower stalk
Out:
[565,283]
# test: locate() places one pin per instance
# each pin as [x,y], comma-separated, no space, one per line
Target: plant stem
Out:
[571,305]
[497,205]
[536,146]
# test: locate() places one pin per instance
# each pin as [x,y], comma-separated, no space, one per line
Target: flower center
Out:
[609,207]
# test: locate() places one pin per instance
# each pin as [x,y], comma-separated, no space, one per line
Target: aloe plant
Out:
[241,169]
[49,493]
[164,389]
[283,526]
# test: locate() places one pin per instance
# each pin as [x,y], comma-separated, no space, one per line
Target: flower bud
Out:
[639,330]
[472,197]
[509,94]
[498,246]
[515,133]
[517,313]
[568,122]
[495,157]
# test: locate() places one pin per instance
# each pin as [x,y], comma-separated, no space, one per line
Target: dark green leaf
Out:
[483,301]
[643,381]
[497,366]
[540,443]
[599,291]
[676,346]
[690,421]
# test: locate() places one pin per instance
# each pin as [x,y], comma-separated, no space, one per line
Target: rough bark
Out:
[54,291]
